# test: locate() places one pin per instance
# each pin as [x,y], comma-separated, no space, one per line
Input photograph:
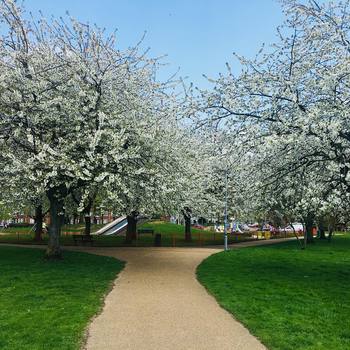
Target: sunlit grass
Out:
[48,304]
[172,235]
[289,298]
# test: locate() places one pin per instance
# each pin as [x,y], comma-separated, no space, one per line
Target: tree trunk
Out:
[131,228]
[330,232]
[39,218]
[322,229]
[53,250]
[309,222]
[87,230]
[87,218]
[81,219]
[188,233]
[187,217]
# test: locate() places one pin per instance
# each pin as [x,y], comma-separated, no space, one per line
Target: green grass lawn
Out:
[48,304]
[172,235]
[287,297]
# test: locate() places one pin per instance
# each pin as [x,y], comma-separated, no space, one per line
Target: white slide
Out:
[114,227]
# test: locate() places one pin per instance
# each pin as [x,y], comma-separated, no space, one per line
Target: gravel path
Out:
[157,303]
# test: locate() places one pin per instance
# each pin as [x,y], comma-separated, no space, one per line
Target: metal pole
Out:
[225,218]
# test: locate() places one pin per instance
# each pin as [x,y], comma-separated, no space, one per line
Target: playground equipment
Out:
[294,227]
[118,226]
[113,228]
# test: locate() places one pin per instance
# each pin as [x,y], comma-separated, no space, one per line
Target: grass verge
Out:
[48,304]
[172,235]
[287,297]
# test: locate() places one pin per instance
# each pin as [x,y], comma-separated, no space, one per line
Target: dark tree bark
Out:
[131,228]
[321,229]
[309,223]
[87,230]
[330,232]
[55,196]
[87,218]
[187,214]
[39,219]
[81,219]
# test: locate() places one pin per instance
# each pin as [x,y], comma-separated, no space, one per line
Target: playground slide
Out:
[114,227]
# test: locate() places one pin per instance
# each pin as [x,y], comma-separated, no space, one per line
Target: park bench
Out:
[145,230]
[83,239]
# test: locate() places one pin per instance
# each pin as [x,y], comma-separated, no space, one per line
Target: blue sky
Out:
[198,36]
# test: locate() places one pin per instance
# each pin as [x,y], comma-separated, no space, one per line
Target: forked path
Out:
[157,303]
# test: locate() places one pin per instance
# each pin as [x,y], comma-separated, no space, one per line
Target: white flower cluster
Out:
[289,109]
[80,118]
